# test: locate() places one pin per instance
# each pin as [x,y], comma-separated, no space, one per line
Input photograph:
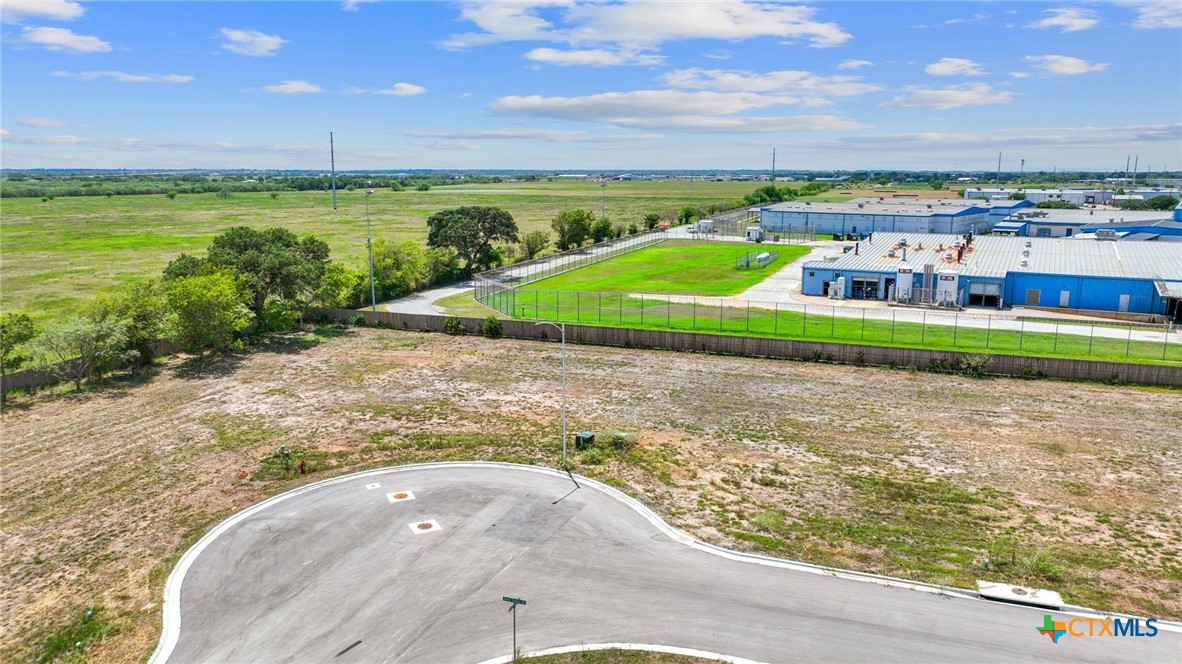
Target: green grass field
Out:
[816,323]
[56,254]
[675,267]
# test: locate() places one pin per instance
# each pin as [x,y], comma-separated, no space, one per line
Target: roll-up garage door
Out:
[978,288]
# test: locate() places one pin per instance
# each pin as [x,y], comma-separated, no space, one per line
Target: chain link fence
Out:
[492,283]
[896,326]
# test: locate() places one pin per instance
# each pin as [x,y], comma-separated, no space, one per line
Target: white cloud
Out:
[446,145]
[1070,137]
[293,88]
[1153,14]
[124,77]
[718,54]
[1064,65]
[1020,74]
[396,90]
[1068,19]
[63,39]
[854,64]
[15,11]
[548,135]
[774,81]
[967,19]
[251,42]
[673,110]
[40,122]
[640,24]
[355,5]
[596,57]
[402,90]
[954,67]
[969,94]
[62,139]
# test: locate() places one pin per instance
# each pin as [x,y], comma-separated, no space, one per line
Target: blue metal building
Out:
[997,271]
[867,215]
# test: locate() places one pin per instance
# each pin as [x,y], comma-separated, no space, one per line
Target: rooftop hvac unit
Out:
[949,256]
[890,253]
[1026,253]
[1025,263]
[903,242]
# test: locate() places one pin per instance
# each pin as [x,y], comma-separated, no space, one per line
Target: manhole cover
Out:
[401,496]
[428,526]
[1019,591]
[424,526]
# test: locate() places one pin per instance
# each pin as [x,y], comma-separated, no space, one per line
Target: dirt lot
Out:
[1072,486]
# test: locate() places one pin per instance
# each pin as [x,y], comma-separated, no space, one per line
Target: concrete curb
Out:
[672,650]
[170,632]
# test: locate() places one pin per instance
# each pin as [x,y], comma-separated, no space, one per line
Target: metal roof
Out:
[911,209]
[1089,216]
[995,256]
[958,203]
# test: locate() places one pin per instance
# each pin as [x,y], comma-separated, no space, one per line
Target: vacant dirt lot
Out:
[1072,486]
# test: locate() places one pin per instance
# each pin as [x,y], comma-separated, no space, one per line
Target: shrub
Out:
[492,327]
[453,326]
[278,316]
[975,365]
[274,195]
[358,320]
[171,195]
[619,440]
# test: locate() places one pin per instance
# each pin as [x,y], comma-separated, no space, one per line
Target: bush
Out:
[278,316]
[975,365]
[491,327]
[358,320]
[453,326]
[619,440]
[171,195]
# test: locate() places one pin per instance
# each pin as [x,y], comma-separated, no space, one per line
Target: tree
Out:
[399,268]
[443,266]
[688,213]
[141,305]
[601,230]
[184,266]
[1056,205]
[1017,196]
[78,348]
[341,287]
[471,232]
[1162,202]
[620,228]
[651,220]
[534,243]
[15,331]
[571,228]
[272,263]
[936,184]
[207,313]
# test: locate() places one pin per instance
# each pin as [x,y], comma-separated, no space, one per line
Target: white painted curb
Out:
[170,632]
[673,650]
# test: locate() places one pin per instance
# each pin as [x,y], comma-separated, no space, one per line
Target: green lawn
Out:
[817,324]
[675,267]
[56,254]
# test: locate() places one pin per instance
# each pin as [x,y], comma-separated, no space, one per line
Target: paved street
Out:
[341,571]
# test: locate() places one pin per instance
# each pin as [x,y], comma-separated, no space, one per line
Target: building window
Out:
[812,274]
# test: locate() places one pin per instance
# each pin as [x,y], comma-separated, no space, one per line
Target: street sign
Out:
[513,600]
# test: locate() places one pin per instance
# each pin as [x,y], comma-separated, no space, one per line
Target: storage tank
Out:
[841,288]
[947,287]
[903,283]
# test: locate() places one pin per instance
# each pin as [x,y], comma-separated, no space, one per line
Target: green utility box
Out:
[584,440]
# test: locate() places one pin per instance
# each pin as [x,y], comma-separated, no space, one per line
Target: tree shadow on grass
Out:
[211,366]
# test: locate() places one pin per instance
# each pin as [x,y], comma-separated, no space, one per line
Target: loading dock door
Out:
[1064,299]
[1032,297]
[984,295]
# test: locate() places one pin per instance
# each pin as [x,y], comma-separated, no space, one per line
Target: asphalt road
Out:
[337,572]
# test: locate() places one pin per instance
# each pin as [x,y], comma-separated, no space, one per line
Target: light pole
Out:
[562,328]
[373,293]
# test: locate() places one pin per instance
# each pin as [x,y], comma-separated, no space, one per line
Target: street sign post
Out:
[513,604]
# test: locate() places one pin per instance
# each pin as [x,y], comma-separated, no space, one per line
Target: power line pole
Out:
[998,180]
[332,155]
[773,165]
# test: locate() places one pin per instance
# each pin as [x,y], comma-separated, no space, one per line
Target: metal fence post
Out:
[748,315]
[642,308]
[694,321]
[1055,345]
[1021,333]
[720,314]
[600,307]
[1165,340]
[1091,335]
[955,325]
[776,324]
[1129,343]
[833,322]
[863,337]
[804,321]
[668,306]
[893,312]
[621,296]
[923,328]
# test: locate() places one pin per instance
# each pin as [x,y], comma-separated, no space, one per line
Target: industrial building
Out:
[1074,196]
[995,271]
[1034,222]
[870,215]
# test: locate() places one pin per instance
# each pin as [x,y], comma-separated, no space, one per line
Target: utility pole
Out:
[773,165]
[1136,162]
[1126,178]
[332,155]
[373,293]
[1022,173]
[603,198]
[998,180]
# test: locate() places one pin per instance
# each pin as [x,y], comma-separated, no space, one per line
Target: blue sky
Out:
[559,84]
